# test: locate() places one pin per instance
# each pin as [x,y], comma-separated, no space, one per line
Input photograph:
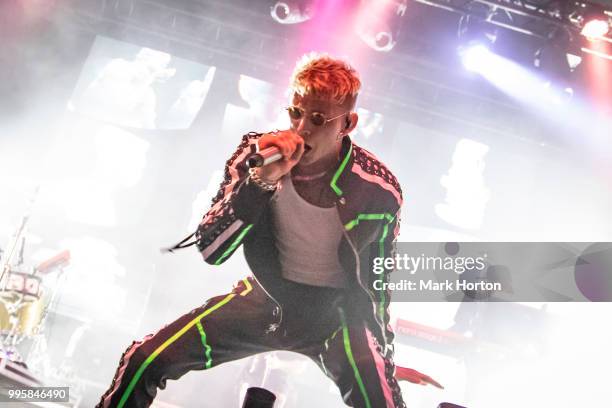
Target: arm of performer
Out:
[243,196]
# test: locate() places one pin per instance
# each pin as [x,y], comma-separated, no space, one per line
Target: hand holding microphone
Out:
[264,157]
[278,153]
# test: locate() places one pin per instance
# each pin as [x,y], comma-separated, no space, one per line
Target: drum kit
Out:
[24,299]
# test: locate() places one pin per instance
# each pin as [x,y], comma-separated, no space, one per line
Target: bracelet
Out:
[257,180]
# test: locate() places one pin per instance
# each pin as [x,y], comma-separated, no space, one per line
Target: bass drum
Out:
[29,314]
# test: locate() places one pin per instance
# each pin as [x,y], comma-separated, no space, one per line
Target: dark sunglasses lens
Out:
[317,119]
[294,113]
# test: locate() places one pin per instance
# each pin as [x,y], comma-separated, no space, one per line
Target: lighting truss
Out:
[424,93]
[535,18]
[161,24]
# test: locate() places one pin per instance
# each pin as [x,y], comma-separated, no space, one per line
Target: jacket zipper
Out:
[276,325]
[272,327]
[357,263]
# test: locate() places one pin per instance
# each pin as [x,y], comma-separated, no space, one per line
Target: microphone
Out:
[263,157]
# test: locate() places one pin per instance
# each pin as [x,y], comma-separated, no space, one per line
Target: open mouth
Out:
[307,148]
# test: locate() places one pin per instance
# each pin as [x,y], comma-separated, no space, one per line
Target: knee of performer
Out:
[154,366]
[135,356]
[138,356]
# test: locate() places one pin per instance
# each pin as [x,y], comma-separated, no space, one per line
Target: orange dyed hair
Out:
[326,77]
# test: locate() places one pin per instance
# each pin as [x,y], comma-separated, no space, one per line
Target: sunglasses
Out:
[316,118]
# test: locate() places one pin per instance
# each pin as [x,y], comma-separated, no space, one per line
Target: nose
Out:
[302,127]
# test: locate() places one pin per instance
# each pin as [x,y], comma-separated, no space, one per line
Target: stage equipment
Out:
[538,19]
[594,21]
[24,302]
[557,59]
[292,12]
[379,21]
[476,38]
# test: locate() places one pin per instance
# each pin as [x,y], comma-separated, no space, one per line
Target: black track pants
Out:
[245,322]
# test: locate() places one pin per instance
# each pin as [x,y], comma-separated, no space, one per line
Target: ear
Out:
[351,123]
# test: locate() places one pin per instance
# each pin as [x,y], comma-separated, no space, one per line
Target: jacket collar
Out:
[345,162]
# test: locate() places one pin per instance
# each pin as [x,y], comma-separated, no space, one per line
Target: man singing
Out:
[311,224]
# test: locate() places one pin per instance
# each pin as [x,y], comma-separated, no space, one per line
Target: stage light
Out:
[474,29]
[595,28]
[378,22]
[475,56]
[291,12]
[592,20]
[476,38]
[379,38]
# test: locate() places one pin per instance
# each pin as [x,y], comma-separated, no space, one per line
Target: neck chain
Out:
[295,177]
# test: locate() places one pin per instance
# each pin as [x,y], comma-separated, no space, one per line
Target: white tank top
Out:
[307,239]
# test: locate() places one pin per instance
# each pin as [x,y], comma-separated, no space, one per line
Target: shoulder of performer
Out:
[235,167]
[369,168]
[248,144]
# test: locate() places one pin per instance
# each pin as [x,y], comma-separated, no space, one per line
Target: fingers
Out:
[286,147]
[428,380]
[299,151]
[415,377]
[289,143]
[407,374]
[267,140]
